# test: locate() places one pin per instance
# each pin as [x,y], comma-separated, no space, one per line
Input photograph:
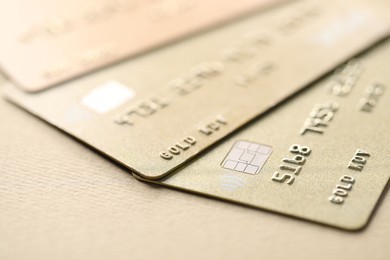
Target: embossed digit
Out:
[285,177]
[302,150]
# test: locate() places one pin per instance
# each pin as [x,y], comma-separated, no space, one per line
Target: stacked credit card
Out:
[277,105]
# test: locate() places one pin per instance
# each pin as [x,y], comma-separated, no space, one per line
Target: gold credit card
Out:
[46,42]
[155,112]
[323,156]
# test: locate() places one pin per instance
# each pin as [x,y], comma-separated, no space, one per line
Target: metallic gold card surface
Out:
[46,42]
[155,112]
[323,156]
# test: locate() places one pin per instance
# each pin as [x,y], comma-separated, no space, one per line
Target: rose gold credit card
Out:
[46,42]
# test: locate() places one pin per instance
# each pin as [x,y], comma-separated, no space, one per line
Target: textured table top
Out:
[61,200]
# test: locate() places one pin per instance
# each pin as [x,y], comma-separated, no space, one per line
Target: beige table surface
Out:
[60,200]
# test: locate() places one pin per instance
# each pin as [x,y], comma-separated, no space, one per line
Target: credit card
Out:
[323,156]
[46,42]
[155,112]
